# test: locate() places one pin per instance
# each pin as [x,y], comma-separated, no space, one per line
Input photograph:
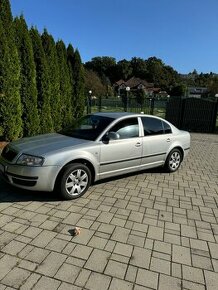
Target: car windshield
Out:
[88,127]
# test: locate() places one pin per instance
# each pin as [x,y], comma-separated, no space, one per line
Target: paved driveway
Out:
[147,231]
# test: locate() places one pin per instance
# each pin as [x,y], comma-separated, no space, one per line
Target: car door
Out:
[122,154]
[156,141]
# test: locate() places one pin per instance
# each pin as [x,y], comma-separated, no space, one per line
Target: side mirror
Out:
[113,136]
[110,136]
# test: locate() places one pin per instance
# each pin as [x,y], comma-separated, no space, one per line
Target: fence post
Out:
[152,106]
[99,104]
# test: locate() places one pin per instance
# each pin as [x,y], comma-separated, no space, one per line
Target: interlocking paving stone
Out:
[97,260]
[7,263]
[46,283]
[37,255]
[98,281]
[140,257]
[51,264]
[16,277]
[192,274]
[115,269]
[68,273]
[30,282]
[118,284]
[181,255]
[147,278]
[149,230]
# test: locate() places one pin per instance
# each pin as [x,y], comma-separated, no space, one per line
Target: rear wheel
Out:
[75,181]
[174,160]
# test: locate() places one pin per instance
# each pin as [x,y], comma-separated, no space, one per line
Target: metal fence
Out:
[149,106]
[196,115]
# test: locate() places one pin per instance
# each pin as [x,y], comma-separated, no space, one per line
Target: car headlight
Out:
[30,160]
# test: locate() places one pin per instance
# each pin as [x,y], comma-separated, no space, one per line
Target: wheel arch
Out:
[176,147]
[81,161]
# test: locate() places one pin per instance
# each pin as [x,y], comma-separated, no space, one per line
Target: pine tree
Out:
[54,77]
[42,81]
[28,89]
[65,85]
[10,101]
[78,77]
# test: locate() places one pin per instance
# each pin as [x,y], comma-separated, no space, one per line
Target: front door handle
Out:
[138,144]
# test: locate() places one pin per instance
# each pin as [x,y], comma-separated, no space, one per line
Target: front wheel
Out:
[174,160]
[75,181]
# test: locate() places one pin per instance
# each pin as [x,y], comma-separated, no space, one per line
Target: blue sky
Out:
[183,33]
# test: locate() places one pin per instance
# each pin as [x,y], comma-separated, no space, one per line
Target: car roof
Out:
[116,115]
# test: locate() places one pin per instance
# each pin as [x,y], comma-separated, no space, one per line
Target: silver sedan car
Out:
[98,146]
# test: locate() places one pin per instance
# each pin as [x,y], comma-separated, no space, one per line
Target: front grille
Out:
[8,154]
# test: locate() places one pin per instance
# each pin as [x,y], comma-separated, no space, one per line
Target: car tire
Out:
[74,181]
[173,160]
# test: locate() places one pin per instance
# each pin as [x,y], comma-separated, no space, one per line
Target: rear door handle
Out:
[168,139]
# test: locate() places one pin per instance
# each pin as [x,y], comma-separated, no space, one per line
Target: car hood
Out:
[43,144]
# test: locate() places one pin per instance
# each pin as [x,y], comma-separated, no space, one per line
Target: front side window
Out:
[128,128]
[152,126]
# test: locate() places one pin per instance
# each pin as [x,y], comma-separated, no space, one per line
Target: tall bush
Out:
[10,101]
[28,89]
[43,83]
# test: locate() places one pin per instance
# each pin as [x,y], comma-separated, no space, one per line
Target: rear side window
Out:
[152,126]
[167,128]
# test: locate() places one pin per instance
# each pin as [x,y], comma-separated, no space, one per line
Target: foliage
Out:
[94,83]
[28,89]
[124,69]
[10,102]
[43,82]
[79,89]
[49,46]
[140,97]
[65,85]
[178,91]
[70,62]
[213,86]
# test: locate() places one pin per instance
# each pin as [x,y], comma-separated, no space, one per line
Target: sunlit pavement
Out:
[150,230]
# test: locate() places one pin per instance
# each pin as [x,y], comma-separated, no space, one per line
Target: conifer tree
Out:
[78,77]
[65,85]
[42,81]
[54,77]
[70,62]
[28,89]
[10,101]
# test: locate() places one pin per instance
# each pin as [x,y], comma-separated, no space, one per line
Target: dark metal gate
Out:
[192,114]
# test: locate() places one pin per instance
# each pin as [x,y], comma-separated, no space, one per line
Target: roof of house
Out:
[134,82]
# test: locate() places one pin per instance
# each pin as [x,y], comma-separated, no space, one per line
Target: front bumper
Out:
[40,178]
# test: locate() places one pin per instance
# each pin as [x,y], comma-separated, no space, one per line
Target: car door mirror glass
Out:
[113,135]
[110,136]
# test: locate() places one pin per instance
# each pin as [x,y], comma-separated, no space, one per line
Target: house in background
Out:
[196,92]
[134,85]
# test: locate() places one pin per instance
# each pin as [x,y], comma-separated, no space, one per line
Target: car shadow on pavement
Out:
[8,193]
